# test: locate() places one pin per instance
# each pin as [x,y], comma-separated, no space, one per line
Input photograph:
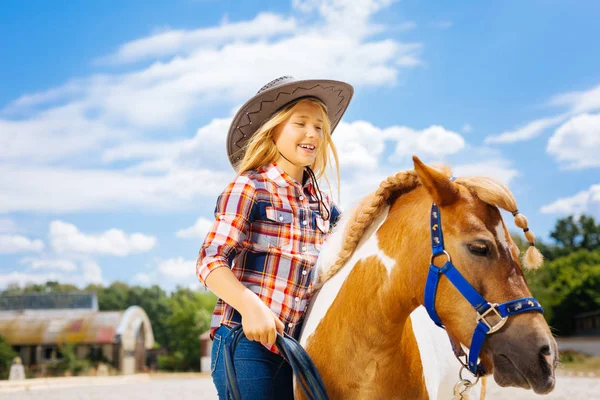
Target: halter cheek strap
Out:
[484,309]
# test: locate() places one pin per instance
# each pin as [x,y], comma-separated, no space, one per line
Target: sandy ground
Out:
[201,388]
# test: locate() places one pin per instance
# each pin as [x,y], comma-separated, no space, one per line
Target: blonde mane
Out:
[487,190]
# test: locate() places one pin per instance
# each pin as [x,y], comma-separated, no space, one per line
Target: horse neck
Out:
[405,237]
[365,328]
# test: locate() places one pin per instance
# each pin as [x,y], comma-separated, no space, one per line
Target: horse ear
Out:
[439,186]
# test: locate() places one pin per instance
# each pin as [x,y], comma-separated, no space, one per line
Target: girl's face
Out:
[300,137]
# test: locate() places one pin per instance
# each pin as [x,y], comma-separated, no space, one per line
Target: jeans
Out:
[261,374]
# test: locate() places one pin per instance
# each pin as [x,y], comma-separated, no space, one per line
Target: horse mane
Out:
[487,190]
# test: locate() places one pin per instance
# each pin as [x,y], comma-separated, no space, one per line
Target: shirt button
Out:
[303,248]
[297,299]
[304,223]
[304,272]
[280,218]
[301,198]
[290,325]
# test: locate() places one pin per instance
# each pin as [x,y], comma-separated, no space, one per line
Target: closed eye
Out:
[479,249]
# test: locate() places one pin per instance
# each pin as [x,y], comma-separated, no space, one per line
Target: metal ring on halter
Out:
[433,256]
[465,379]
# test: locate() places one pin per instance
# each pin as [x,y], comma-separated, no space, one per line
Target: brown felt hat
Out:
[273,97]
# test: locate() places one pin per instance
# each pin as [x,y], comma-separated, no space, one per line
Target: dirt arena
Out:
[199,387]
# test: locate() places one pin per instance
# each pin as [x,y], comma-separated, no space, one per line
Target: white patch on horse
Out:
[501,236]
[440,367]
[368,246]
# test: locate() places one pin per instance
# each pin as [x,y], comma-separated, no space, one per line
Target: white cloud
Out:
[467,128]
[19,244]
[178,269]
[51,135]
[114,118]
[196,231]
[579,102]
[66,238]
[142,279]
[90,272]
[177,42]
[361,145]
[442,24]
[55,189]
[50,264]
[7,225]
[576,143]
[587,201]
[497,169]
[434,141]
[526,132]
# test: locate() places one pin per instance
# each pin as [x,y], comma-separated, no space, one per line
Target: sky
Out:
[113,114]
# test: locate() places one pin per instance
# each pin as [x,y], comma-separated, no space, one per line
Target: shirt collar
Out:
[282,179]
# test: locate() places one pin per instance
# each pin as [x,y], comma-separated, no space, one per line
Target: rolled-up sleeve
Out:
[229,229]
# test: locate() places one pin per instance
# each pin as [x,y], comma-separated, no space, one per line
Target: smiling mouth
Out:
[307,147]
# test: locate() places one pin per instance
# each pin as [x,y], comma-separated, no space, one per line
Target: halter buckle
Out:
[433,256]
[497,326]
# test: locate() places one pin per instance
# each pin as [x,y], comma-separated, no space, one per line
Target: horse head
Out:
[519,348]
[472,283]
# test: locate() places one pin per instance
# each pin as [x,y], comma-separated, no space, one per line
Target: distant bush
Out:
[7,355]
[172,362]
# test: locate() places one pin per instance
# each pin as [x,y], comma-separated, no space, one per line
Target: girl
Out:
[270,222]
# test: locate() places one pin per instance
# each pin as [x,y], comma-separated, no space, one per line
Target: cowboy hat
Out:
[273,97]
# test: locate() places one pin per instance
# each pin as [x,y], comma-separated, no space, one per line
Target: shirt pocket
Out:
[321,231]
[275,230]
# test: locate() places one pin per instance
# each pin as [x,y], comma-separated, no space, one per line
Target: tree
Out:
[189,318]
[7,356]
[567,286]
[573,234]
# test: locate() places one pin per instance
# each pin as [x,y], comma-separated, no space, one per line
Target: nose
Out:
[547,359]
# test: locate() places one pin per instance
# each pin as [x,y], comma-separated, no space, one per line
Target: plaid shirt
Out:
[269,231]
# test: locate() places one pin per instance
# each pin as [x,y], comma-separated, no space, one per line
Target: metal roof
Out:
[33,327]
[49,301]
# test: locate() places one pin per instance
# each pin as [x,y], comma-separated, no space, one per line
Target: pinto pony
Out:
[366,329]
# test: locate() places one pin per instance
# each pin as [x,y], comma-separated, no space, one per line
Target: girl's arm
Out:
[222,243]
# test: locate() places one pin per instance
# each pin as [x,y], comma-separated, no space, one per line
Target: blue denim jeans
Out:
[261,374]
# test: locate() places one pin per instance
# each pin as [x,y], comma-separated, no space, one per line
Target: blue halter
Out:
[481,305]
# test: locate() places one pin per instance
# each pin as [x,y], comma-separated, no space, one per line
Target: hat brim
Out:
[335,95]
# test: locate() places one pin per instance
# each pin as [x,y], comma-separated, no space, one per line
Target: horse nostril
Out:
[546,360]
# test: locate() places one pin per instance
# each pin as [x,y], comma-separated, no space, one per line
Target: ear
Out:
[440,187]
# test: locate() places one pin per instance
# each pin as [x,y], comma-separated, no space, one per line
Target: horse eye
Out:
[479,249]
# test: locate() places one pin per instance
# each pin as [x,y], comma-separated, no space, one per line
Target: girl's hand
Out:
[260,323]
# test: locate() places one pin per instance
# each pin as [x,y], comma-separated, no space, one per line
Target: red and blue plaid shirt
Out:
[269,231]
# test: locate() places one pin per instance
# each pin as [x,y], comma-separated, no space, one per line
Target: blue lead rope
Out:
[304,369]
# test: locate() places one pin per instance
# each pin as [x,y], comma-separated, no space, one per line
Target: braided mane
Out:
[487,190]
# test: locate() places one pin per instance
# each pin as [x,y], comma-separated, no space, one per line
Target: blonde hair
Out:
[261,149]
[486,189]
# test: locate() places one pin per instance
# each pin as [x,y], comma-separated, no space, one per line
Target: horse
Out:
[367,329]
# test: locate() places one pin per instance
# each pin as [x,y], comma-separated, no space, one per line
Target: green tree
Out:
[7,354]
[190,317]
[567,286]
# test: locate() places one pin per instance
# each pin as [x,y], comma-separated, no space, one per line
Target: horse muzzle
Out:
[524,357]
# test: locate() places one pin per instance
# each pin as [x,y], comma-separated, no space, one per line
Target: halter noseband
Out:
[481,305]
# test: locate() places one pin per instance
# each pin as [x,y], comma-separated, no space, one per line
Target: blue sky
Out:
[113,114]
